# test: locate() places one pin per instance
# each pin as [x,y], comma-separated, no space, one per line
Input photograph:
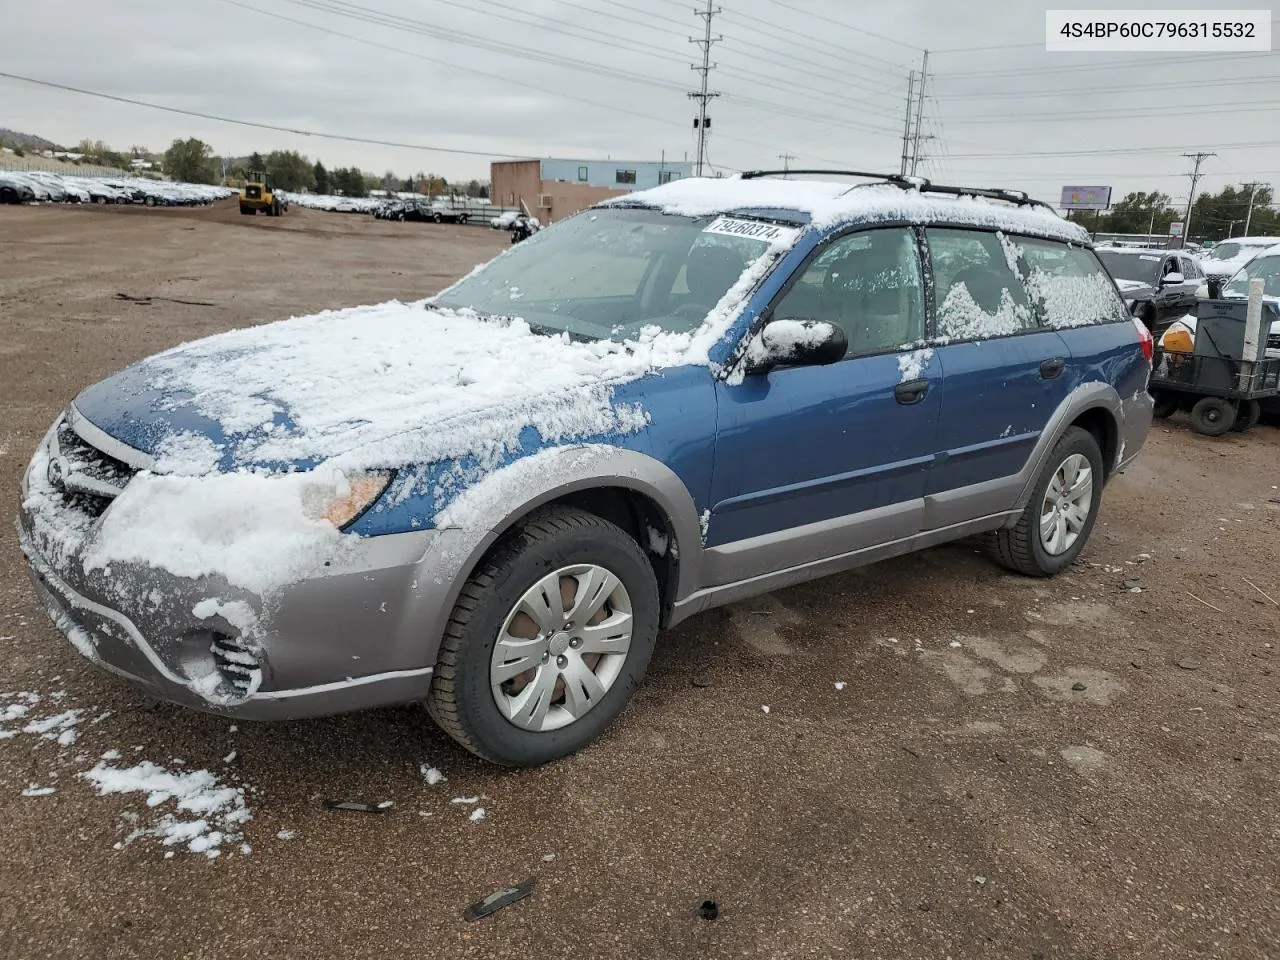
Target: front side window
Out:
[1067,284]
[625,176]
[666,176]
[868,284]
[582,174]
[605,274]
[1266,269]
[978,294]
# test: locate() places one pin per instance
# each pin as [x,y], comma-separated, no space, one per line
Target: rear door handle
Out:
[1050,369]
[912,391]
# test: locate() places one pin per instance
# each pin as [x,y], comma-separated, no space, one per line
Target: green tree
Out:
[1217,216]
[320,177]
[190,160]
[350,182]
[290,170]
[256,163]
[1139,212]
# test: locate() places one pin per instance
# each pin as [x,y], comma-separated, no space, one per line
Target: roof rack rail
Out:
[923,184]
[897,178]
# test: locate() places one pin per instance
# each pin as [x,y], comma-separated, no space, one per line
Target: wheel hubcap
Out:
[1067,504]
[561,647]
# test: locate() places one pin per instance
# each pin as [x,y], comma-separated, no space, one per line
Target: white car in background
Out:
[1265,266]
[1227,258]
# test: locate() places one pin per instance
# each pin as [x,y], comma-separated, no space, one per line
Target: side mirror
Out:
[787,342]
[1171,278]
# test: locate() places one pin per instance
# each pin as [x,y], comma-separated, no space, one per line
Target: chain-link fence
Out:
[26,164]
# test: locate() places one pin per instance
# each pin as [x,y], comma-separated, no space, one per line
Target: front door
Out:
[813,462]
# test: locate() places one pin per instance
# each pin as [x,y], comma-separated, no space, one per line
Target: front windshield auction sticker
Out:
[1141,31]
[752,230]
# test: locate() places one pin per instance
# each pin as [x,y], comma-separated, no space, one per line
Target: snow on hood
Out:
[376,386]
[1127,285]
[829,203]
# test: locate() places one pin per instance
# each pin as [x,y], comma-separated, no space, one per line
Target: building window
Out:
[582,174]
[625,176]
[666,176]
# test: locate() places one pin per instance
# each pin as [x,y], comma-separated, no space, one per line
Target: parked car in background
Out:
[15,189]
[1158,286]
[738,385]
[1227,257]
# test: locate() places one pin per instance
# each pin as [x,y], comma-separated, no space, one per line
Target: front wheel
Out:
[1166,404]
[1056,523]
[548,640]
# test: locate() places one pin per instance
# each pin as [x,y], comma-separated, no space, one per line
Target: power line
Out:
[1189,110]
[1120,151]
[701,122]
[1114,89]
[848,26]
[777,31]
[258,125]
[1130,64]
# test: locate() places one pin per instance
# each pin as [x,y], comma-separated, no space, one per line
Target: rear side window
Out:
[978,293]
[1067,284]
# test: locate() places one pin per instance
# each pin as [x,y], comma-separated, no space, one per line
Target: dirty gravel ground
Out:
[961,796]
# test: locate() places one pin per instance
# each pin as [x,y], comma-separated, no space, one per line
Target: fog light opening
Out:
[239,667]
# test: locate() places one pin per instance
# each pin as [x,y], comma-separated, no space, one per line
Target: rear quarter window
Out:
[1067,284]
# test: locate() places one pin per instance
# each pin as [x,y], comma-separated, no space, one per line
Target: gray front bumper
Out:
[357,638]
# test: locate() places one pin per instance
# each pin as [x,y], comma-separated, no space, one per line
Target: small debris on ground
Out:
[708,910]
[499,899]
[980,881]
[357,806]
[548,857]
[702,680]
[476,815]
[839,684]
[1189,664]
[1078,686]
[765,708]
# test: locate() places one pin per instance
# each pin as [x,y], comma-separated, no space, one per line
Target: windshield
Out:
[1140,267]
[604,274]
[1225,251]
[1266,269]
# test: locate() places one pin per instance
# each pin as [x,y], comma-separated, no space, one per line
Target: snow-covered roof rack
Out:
[921,184]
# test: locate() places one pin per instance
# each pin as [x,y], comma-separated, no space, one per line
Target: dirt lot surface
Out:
[955,762]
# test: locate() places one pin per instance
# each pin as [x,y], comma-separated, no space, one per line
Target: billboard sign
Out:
[1175,228]
[1085,198]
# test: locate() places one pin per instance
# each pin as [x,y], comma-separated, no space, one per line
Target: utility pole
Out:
[1253,193]
[1195,175]
[906,124]
[915,147]
[786,159]
[702,122]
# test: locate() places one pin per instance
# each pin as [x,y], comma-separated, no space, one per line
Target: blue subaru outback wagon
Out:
[492,500]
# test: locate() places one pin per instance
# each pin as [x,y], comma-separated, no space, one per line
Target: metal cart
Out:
[1221,393]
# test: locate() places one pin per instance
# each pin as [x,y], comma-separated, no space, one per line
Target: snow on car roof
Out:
[1143,251]
[827,203]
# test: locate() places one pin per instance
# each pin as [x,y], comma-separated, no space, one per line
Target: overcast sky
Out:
[823,80]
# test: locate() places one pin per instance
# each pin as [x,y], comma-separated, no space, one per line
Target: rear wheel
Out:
[1213,416]
[1056,523]
[1248,415]
[548,640]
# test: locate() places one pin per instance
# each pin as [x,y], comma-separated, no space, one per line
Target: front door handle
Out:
[912,391]
[1051,369]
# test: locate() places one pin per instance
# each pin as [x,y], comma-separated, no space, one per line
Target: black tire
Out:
[1019,547]
[461,700]
[1248,415]
[437,218]
[1213,416]
[1166,404]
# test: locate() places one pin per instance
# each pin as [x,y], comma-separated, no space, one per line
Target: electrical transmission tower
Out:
[786,159]
[1195,176]
[702,123]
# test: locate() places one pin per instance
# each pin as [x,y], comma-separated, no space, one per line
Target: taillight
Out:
[1145,340]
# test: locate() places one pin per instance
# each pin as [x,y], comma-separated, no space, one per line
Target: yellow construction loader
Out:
[259,193]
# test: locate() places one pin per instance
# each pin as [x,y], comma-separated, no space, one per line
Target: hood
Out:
[371,387]
[1135,289]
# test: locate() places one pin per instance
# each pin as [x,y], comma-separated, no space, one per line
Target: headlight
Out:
[346,497]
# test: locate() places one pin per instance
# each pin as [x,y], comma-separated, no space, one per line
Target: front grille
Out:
[253,193]
[240,669]
[87,478]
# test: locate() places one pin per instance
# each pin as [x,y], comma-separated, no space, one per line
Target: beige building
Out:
[554,189]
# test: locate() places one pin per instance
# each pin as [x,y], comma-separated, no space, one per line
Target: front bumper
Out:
[363,634]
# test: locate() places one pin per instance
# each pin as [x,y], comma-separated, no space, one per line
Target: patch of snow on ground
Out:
[431,774]
[59,727]
[216,811]
[476,814]
[34,791]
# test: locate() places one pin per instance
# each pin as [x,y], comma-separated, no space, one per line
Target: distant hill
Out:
[26,141]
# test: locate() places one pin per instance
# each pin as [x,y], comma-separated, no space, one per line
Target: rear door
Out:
[1006,372]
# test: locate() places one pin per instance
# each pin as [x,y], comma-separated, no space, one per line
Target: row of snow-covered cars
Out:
[39,186]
